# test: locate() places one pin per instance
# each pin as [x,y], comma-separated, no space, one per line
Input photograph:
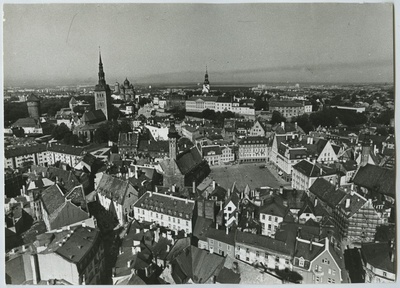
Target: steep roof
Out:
[327,192]
[355,202]
[220,235]
[113,188]
[52,198]
[24,150]
[379,256]
[263,242]
[212,150]
[166,204]
[275,209]
[188,160]
[309,169]
[26,122]
[375,177]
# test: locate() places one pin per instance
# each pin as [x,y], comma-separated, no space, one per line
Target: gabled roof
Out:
[201,227]
[228,276]
[24,150]
[274,209]
[189,159]
[355,202]
[52,199]
[309,169]
[26,122]
[114,188]
[378,255]
[263,242]
[221,236]
[374,177]
[93,116]
[213,150]
[327,192]
[66,149]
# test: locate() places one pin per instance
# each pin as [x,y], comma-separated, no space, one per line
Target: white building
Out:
[18,156]
[158,133]
[166,210]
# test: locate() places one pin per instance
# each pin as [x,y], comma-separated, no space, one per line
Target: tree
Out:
[59,131]
[277,118]
[125,127]
[304,123]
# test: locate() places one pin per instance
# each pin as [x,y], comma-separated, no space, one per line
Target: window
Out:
[269,218]
[266,257]
[384,274]
[219,244]
[247,259]
[333,272]
[228,248]
[331,281]
[301,262]
[317,279]
[325,261]
[276,219]
[263,217]
[247,250]
[269,226]
[187,223]
[238,248]
[211,241]
[276,259]
[257,254]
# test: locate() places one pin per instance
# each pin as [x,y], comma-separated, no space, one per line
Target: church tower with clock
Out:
[206,84]
[102,92]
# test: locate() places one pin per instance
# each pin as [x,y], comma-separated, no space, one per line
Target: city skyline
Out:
[171,43]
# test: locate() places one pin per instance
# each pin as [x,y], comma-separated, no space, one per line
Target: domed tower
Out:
[33,103]
[206,84]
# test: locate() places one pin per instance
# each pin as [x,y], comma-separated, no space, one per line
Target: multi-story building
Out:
[67,154]
[212,154]
[31,126]
[75,255]
[253,149]
[198,104]
[379,262]
[266,251]
[318,262]
[158,133]
[357,218]
[220,242]
[304,174]
[19,156]
[128,143]
[228,154]
[261,128]
[166,210]
[117,196]
[271,215]
[288,109]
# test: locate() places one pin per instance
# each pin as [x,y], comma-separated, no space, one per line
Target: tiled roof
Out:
[153,146]
[201,227]
[188,160]
[93,116]
[379,256]
[313,170]
[166,204]
[221,236]
[263,242]
[251,140]
[32,98]
[284,104]
[52,198]
[227,276]
[303,250]
[209,149]
[26,122]
[275,209]
[355,200]
[66,149]
[24,150]
[375,177]
[327,192]
[114,188]
[76,245]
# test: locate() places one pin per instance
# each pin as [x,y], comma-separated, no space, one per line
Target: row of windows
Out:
[269,218]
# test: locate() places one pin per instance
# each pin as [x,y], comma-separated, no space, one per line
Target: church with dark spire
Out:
[206,84]
[102,92]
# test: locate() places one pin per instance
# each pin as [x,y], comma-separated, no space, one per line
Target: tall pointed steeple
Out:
[102,79]
[206,84]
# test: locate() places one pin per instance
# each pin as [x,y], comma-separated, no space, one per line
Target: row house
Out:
[128,143]
[165,210]
[271,215]
[67,154]
[357,218]
[221,242]
[266,251]
[218,155]
[117,196]
[318,262]
[253,149]
[19,156]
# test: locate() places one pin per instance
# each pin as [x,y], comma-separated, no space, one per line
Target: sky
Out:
[173,43]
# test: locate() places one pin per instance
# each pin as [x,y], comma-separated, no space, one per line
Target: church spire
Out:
[102,79]
[206,84]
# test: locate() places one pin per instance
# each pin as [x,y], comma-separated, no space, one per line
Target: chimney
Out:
[43,174]
[283,125]
[35,270]
[295,125]
[216,226]
[150,194]
[315,202]
[227,230]
[281,190]
[347,202]
[173,188]
[194,187]
[213,185]
[311,244]
[229,193]
[156,189]
[186,200]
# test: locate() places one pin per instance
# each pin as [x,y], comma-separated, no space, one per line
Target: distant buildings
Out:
[289,109]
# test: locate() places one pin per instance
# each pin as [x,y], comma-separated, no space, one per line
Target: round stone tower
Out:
[33,103]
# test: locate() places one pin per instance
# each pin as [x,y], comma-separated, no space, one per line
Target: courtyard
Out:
[254,174]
